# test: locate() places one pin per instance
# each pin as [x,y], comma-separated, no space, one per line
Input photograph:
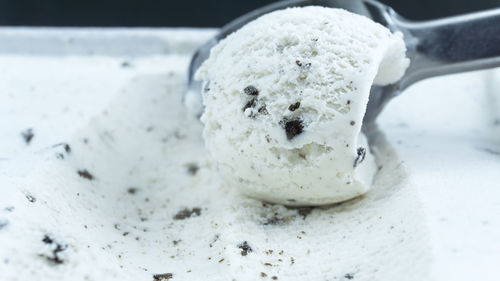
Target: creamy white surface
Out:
[325,61]
[437,186]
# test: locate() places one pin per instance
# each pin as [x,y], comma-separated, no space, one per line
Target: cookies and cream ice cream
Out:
[285,98]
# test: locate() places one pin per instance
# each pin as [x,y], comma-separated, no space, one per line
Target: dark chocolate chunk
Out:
[297,62]
[28,135]
[348,101]
[293,127]
[245,248]
[361,156]
[85,174]
[58,247]
[187,213]
[274,277]
[163,276]
[294,106]
[263,275]
[352,123]
[192,168]
[251,91]
[250,104]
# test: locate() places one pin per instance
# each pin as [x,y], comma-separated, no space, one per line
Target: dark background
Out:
[156,13]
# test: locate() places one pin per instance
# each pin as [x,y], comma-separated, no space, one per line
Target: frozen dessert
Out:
[285,98]
[138,199]
[104,176]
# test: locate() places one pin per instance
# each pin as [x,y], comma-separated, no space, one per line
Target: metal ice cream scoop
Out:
[436,47]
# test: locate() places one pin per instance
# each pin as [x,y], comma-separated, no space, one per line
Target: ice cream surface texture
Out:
[285,98]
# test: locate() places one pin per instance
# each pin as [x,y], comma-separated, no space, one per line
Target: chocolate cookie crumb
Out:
[292,127]
[352,123]
[28,135]
[3,223]
[304,211]
[132,190]
[361,156]
[57,248]
[216,237]
[85,174]
[245,248]
[349,276]
[125,64]
[294,106]
[302,65]
[263,275]
[263,110]
[126,233]
[348,102]
[192,168]
[163,277]
[186,213]
[251,91]
[250,104]
[206,87]
[491,151]
[275,220]
[175,242]
[31,198]
[66,147]
[274,277]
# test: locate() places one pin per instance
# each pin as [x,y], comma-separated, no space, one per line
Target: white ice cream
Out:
[148,214]
[285,98]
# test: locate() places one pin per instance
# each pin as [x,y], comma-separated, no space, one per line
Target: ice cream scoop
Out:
[285,95]
[436,47]
[284,98]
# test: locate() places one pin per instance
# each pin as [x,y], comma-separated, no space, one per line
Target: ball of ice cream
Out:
[284,101]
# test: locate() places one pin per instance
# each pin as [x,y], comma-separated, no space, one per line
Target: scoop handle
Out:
[450,45]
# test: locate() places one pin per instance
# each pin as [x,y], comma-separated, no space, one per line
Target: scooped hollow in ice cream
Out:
[284,101]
